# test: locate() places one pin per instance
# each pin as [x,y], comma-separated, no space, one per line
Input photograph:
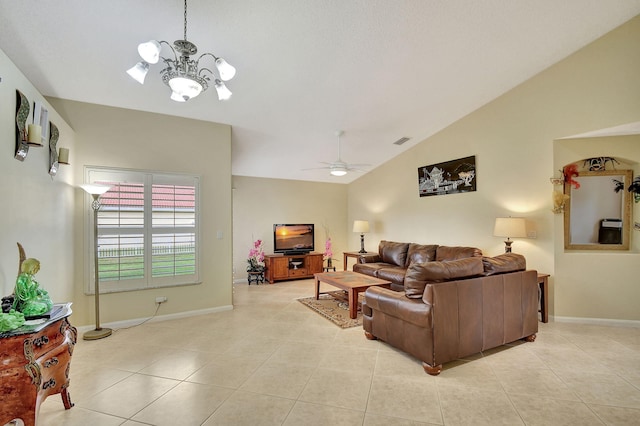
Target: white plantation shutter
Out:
[147,229]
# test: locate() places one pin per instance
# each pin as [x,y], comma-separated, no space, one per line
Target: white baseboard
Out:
[133,322]
[598,321]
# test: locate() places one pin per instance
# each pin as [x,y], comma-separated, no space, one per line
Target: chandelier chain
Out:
[185,19]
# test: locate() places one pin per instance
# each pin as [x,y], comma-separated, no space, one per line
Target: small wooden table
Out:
[355,254]
[352,282]
[543,282]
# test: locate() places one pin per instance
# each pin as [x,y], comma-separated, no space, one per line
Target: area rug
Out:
[336,311]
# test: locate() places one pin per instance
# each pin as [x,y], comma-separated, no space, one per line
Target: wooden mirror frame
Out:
[625,212]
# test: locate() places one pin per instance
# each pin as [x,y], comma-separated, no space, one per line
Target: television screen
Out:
[293,238]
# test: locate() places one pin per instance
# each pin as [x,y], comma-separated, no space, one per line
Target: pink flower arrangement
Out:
[256,257]
[327,249]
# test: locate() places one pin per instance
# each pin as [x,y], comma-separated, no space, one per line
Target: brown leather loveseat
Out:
[454,308]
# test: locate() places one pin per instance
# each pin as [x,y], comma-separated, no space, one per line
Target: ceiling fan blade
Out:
[316,168]
[359,165]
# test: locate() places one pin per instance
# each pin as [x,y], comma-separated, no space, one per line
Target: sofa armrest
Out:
[369,258]
[397,305]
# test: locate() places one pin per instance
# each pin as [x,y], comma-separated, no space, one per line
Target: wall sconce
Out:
[361,227]
[510,227]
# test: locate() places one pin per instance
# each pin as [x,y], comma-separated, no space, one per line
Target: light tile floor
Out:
[273,361]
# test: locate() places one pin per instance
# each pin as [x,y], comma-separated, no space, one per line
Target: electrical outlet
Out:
[161,299]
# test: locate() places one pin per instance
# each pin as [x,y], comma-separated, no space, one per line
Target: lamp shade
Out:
[95,189]
[150,51]
[360,226]
[185,87]
[223,91]
[139,71]
[510,227]
[227,72]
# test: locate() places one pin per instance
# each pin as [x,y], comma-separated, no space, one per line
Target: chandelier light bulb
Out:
[185,87]
[150,51]
[223,92]
[139,71]
[227,72]
[176,97]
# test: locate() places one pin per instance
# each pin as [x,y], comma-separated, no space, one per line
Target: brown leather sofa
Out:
[454,308]
[394,258]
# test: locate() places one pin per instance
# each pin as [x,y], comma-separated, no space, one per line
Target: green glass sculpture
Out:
[30,299]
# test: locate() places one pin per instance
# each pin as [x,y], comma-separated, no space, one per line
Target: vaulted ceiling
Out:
[378,69]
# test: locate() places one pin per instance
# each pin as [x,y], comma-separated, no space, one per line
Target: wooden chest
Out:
[34,363]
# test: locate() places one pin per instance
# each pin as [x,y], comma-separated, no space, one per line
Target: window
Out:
[147,230]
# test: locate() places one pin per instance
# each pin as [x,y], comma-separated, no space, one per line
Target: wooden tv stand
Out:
[280,267]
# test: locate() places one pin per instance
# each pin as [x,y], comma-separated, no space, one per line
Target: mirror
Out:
[596,217]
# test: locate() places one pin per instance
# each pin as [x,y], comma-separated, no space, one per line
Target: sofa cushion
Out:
[420,253]
[395,274]
[370,269]
[393,253]
[419,274]
[501,264]
[454,253]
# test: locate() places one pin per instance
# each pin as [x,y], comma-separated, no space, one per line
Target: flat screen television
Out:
[293,238]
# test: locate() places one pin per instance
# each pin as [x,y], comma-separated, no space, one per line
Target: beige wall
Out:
[513,141]
[122,138]
[37,211]
[260,203]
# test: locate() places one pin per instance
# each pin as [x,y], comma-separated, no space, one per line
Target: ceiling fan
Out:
[339,167]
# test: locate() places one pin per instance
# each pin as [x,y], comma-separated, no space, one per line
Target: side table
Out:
[543,282]
[355,254]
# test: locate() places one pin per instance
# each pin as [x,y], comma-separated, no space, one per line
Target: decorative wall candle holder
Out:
[22,112]
[53,150]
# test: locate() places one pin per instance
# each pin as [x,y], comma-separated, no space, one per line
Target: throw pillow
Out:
[420,274]
[501,264]
[420,253]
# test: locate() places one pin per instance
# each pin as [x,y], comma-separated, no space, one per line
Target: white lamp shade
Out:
[95,188]
[150,51]
[360,226]
[139,71]
[185,87]
[510,227]
[227,72]
[223,92]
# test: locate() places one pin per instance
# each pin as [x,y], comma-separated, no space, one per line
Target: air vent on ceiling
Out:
[401,141]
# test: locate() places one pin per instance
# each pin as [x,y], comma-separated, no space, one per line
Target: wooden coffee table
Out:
[352,282]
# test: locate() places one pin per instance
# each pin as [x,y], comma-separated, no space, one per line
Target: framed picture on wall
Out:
[450,177]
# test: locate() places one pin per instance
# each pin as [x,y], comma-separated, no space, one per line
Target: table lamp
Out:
[510,227]
[361,227]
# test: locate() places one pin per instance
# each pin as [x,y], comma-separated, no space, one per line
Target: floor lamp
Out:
[96,191]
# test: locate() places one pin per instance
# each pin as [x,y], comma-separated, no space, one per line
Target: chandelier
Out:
[181,73]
